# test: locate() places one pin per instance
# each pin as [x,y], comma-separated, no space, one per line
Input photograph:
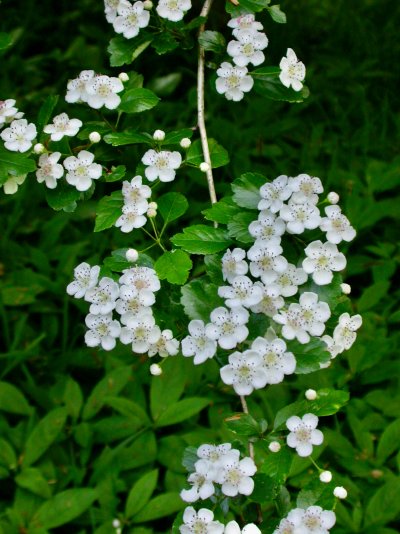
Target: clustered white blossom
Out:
[8,112]
[19,136]
[62,125]
[135,196]
[311,520]
[97,90]
[161,164]
[293,71]
[173,10]
[132,298]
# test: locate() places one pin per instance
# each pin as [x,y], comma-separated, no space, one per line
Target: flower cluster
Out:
[135,205]
[173,10]
[220,464]
[8,112]
[126,18]
[96,90]
[311,520]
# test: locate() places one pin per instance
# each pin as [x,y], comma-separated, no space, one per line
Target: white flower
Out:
[233,81]
[234,264]
[323,258]
[85,278]
[267,226]
[103,331]
[161,165]
[111,8]
[165,346]
[345,332]
[19,136]
[103,296]
[244,25]
[275,360]
[141,331]
[288,281]
[49,170]
[245,372]
[274,194]
[248,49]
[241,292]
[233,528]
[81,170]
[337,226]
[8,112]
[235,476]
[62,125]
[198,344]
[299,217]
[11,185]
[201,481]
[228,326]
[200,522]
[102,91]
[214,453]
[136,194]
[76,88]
[143,278]
[292,72]
[313,520]
[271,300]
[335,347]
[173,10]
[303,433]
[130,19]
[133,301]
[306,189]
[131,218]
[266,260]
[285,527]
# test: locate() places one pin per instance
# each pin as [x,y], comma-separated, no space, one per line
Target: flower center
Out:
[102,329]
[132,19]
[81,170]
[233,81]
[303,434]
[173,4]
[248,49]
[234,477]
[103,90]
[270,358]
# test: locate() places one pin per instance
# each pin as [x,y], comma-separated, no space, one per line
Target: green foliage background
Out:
[82,418]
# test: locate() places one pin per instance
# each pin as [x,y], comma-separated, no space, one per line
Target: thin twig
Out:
[246,410]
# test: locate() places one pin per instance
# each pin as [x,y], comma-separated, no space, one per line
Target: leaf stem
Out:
[246,410]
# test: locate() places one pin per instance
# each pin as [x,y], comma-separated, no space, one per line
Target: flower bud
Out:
[123,77]
[94,137]
[159,135]
[340,492]
[346,289]
[185,142]
[204,167]
[274,446]
[116,523]
[148,4]
[333,198]
[155,369]
[325,476]
[151,213]
[311,394]
[132,254]
[38,148]
[153,205]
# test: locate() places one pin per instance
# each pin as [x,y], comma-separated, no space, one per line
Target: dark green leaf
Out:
[141,492]
[164,42]
[116,174]
[246,189]
[8,458]
[33,480]
[265,488]
[73,398]
[372,295]
[12,400]
[219,156]
[389,441]
[190,458]
[172,138]
[45,112]
[14,164]
[174,267]
[138,100]
[277,465]
[124,51]
[167,388]
[199,298]
[5,40]
[212,41]
[277,14]
[127,138]
[171,206]
[108,210]
[128,408]
[181,410]
[238,226]
[161,506]
[271,87]
[63,197]
[202,239]
[242,424]
[222,211]
[384,506]
[308,356]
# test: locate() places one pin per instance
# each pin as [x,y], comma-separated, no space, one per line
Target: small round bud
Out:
[340,492]
[325,476]
[376,473]
[123,77]
[204,167]
[153,205]
[346,289]
[333,198]
[151,213]
[185,142]
[274,446]
[148,4]
[94,137]
[311,394]
[132,254]
[38,148]
[159,135]
[155,369]
[116,523]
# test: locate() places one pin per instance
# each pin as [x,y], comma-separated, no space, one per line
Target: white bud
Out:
[132,254]
[346,289]
[94,137]
[311,394]
[148,4]
[116,523]
[123,77]
[274,446]
[185,142]
[151,213]
[159,135]
[204,167]
[340,492]
[38,148]
[333,198]
[155,369]
[153,205]
[325,476]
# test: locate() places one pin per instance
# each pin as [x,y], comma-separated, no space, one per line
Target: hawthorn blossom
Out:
[19,135]
[198,344]
[306,189]
[270,302]
[334,347]
[274,194]
[173,10]
[287,281]
[201,481]
[303,433]
[133,301]
[235,475]
[345,332]
[233,81]
[111,8]
[267,226]
[241,292]
[81,170]
[103,296]
[244,372]
[313,520]
[285,527]
[233,528]
[292,72]
[135,193]
[214,453]
[161,165]
[227,327]
[141,332]
[10,186]
[165,346]
[322,259]
[85,278]
[8,112]
[131,218]
[266,262]
[145,279]
[276,361]
[234,264]
[244,25]
[201,521]
[336,225]
[102,91]
[102,331]
[76,88]
[299,217]
[248,49]
[130,19]
[49,170]
[62,125]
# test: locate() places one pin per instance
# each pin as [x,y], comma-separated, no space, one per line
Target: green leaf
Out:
[124,51]
[219,156]
[317,494]
[264,490]
[141,492]
[14,164]
[5,40]
[276,14]
[165,85]
[242,424]
[116,174]
[128,408]
[190,458]
[138,100]
[109,209]
[73,398]
[195,23]
[202,239]
[238,227]
[222,211]
[43,435]
[270,86]
[45,112]
[128,138]
[246,189]
[308,356]
[8,458]
[389,441]
[164,42]
[384,506]
[12,400]
[174,267]
[161,506]
[277,465]
[168,387]
[212,41]
[181,410]
[173,138]
[171,206]
[63,197]
[32,480]
[372,295]
[254,6]
[64,507]
[199,298]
